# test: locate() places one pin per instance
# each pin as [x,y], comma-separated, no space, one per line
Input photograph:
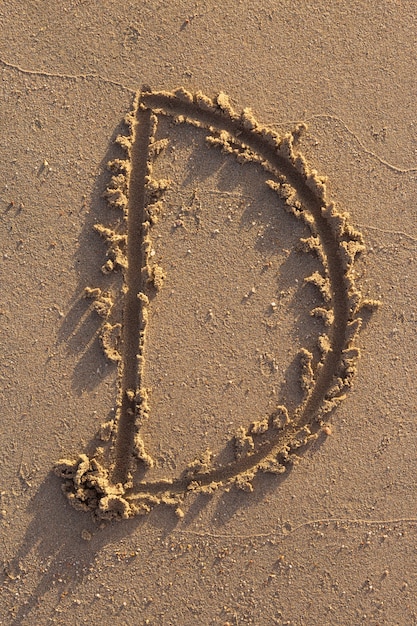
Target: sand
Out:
[208,314]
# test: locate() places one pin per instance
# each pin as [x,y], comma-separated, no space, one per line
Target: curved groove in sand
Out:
[271,446]
[169,105]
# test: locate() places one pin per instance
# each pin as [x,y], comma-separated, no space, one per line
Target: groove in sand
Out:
[132,335]
[270,445]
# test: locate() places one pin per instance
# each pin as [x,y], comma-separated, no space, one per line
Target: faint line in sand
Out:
[73,77]
[279,532]
[394,168]
[400,233]
[110,81]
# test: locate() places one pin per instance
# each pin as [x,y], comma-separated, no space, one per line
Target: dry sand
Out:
[223,325]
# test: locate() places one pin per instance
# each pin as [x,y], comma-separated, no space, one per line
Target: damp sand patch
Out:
[161,196]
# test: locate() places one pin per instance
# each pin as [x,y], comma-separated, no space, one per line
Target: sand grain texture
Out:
[224,315]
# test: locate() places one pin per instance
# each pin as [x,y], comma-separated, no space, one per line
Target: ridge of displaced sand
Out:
[267,445]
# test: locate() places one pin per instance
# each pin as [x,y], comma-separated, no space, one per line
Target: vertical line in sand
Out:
[132,316]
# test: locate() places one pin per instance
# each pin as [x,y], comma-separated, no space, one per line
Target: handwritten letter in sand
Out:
[114,482]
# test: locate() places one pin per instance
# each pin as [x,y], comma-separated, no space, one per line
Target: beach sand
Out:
[223,479]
